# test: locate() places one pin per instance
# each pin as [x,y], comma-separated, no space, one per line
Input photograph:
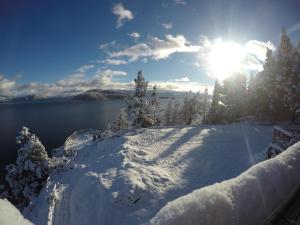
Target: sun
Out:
[225,58]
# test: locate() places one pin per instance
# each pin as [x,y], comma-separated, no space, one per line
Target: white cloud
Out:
[6,85]
[183,79]
[172,44]
[134,52]
[73,84]
[135,35]
[294,28]
[122,14]
[107,45]
[167,26]
[255,53]
[156,48]
[114,62]
[85,68]
[104,79]
[180,2]
[258,48]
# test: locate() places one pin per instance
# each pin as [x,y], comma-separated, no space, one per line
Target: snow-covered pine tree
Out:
[293,84]
[175,119]
[137,105]
[205,103]
[251,96]
[154,106]
[28,175]
[216,111]
[235,96]
[168,112]
[266,90]
[284,71]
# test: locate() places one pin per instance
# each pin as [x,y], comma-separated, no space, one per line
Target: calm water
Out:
[52,121]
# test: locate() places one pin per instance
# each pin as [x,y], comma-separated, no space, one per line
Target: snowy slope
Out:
[10,215]
[128,179]
[248,199]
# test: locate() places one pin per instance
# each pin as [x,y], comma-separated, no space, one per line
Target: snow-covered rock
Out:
[128,179]
[10,215]
[247,199]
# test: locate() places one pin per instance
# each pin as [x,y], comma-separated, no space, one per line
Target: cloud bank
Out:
[155,48]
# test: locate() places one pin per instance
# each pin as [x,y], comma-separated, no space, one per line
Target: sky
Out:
[62,46]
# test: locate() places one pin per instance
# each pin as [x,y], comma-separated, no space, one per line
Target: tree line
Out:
[270,95]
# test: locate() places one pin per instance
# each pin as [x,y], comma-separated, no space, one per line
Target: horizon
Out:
[48,48]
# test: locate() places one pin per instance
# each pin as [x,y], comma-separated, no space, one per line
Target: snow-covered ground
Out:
[248,199]
[10,215]
[128,179]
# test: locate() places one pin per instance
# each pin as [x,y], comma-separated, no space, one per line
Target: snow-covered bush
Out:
[28,175]
[190,112]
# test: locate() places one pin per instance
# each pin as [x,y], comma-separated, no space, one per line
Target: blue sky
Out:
[63,45]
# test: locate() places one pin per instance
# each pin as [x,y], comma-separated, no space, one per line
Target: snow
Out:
[9,215]
[127,179]
[290,134]
[247,199]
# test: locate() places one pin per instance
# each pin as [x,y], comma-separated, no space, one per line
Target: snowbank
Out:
[246,200]
[9,215]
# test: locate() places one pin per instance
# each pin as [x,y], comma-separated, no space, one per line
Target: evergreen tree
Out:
[205,103]
[267,90]
[28,175]
[293,84]
[138,105]
[251,96]
[154,106]
[215,114]
[169,112]
[284,71]
[234,98]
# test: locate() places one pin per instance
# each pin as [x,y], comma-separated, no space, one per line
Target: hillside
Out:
[128,179]
[97,95]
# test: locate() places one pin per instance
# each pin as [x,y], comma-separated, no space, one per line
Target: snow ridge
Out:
[247,199]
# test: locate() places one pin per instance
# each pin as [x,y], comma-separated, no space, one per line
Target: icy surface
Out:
[128,179]
[9,215]
[246,200]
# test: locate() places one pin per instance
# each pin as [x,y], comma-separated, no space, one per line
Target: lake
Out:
[51,120]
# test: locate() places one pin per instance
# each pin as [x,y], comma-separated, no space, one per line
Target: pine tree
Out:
[267,90]
[138,106]
[168,112]
[205,103]
[154,106]
[251,96]
[28,175]
[293,84]
[216,111]
[284,71]
[234,98]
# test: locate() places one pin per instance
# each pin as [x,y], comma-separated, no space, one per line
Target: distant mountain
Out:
[3,98]
[98,95]
[26,98]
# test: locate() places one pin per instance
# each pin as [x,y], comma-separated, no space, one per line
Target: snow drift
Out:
[10,215]
[245,200]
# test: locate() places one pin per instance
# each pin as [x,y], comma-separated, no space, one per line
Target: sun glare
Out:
[225,58]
